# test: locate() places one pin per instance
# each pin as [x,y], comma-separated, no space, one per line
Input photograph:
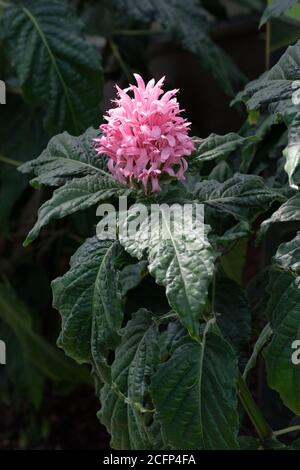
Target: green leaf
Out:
[67,157]
[258,347]
[77,194]
[288,256]
[187,23]
[233,234]
[181,261]
[242,196]
[72,163]
[233,315]
[221,172]
[277,92]
[287,212]
[124,401]
[283,311]
[56,67]
[276,9]
[89,301]
[131,276]
[194,393]
[48,360]
[234,261]
[217,146]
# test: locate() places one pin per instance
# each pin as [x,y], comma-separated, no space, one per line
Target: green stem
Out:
[280,432]
[263,429]
[116,53]
[9,161]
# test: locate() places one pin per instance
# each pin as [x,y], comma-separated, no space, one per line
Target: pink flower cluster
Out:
[145,137]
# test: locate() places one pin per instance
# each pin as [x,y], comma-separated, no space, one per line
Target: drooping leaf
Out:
[89,301]
[67,157]
[56,67]
[72,163]
[124,401]
[283,311]
[287,212]
[242,196]
[237,232]
[77,194]
[44,357]
[194,393]
[276,9]
[187,23]
[258,347]
[179,259]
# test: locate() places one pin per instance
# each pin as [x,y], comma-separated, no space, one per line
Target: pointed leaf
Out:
[123,400]
[89,301]
[56,66]
[194,394]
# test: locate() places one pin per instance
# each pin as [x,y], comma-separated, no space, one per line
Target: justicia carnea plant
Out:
[165,323]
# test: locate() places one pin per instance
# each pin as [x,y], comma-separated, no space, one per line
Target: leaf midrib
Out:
[54,63]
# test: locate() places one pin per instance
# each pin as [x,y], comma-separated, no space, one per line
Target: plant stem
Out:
[116,53]
[263,429]
[268,46]
[280,432]
[9,161]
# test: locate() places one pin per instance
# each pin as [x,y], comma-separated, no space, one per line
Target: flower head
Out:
[145,137]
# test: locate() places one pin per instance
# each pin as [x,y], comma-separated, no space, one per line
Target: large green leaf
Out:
[56,67]
[188,24]
[287,212]
[67,157]
[284,314]
[125,400]
[77,194]
[37,351]
[89,301]
[277,92]
[72,163]
[242,196]
[194,394]
[181,261]
[276,9]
